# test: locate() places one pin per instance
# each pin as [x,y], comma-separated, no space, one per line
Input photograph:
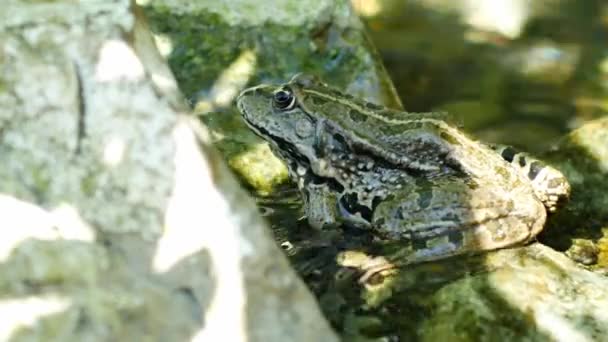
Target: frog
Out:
[412,178]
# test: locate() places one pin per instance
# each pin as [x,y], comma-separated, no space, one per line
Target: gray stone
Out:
[120,221]
[531,294]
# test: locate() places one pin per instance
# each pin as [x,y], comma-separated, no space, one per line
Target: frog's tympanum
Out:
[410,177]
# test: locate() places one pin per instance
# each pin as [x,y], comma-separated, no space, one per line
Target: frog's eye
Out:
[283,99]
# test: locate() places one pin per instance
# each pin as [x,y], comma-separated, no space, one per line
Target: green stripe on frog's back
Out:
[360,111]
[367,118]
[377,125]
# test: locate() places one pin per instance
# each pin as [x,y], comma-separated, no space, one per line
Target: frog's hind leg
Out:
[549,184]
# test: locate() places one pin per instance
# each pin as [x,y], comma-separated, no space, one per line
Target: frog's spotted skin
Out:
[411,177]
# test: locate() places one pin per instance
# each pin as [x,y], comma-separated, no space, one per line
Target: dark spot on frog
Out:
[449,138]
[316,100]
[522,161]
[456,238]
[451,217]
[332,184]
[413,125]
[418,243]
[424,199]
[350,202]
[356,116]
[400,128]
[373,106]
[330,91]
[425,192]
[318,180]
[390,130]
[335,186]
[339,139]
[348,96]
[508,154]
[535,168]
[401,213]
[377,200]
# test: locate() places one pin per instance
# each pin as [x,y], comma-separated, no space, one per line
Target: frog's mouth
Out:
[294,159]
[281,147]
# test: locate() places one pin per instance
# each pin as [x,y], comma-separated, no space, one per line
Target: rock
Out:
[525,293]
[534,294]
[253,41]
[120,221]
[583,157]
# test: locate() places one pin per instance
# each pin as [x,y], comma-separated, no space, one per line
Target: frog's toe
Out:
[375,266]
[551,187]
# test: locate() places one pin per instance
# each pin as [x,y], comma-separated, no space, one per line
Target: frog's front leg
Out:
[320,204]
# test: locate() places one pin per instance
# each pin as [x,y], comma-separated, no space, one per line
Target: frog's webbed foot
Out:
[549,184]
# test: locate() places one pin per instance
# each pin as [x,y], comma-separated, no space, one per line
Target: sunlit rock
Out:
[120,222]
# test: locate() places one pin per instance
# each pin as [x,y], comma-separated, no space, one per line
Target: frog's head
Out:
[277,114]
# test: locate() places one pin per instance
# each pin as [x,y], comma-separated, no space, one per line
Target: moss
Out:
[602,246]
[330,45]
[41,180]
[88,185]
[44,263]
[259,168]
[204,46]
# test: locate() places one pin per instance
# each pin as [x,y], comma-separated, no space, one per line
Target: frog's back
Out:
[428,141]
[421,141]
[396,135]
